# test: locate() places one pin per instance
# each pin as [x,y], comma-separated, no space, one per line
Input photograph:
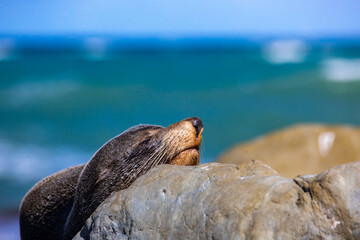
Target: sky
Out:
[181,17]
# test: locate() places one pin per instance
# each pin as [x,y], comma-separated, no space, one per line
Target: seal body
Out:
[58,206]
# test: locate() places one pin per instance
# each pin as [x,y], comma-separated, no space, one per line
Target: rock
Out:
[227,201]
[302,149]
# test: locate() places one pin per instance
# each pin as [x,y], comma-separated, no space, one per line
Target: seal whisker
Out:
[156,152]
[162,151]
[147,164]
[155,158]
[160,158]
[170,145]
[202,150]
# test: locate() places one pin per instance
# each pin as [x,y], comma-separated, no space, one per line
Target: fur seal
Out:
[58,206]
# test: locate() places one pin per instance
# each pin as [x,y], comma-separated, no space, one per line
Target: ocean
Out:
[61,98]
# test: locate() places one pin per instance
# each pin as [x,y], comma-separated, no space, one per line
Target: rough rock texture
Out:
[226,201]
[302,149]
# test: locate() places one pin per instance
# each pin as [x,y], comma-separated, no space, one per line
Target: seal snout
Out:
[188,135]
[198,125]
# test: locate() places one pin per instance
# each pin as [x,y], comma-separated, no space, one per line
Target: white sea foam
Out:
[24,162]
[30,90]
[341,69]
[95,48]
[285,51]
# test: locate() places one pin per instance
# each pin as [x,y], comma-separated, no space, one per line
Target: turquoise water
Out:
[59,105]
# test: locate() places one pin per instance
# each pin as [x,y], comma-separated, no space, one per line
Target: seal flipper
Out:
[44,209]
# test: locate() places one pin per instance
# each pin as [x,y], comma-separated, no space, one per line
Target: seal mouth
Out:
[188,157]
[188,150]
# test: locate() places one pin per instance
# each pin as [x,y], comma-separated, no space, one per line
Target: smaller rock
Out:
[302,149]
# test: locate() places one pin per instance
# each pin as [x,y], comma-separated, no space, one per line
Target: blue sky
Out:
[181,17]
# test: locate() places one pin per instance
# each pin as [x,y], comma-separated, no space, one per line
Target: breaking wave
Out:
[285,51]
[35,90]
[341,69]
[24,162]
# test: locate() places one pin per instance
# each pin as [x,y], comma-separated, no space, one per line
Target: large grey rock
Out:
[301,149]
[226,201]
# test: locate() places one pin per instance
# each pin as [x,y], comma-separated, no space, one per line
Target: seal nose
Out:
[198,125]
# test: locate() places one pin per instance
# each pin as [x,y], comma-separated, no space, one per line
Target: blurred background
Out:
[75,74]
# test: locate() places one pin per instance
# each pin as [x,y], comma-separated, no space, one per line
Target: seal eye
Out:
[146,141]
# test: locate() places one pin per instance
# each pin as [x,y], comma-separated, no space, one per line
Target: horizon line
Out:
[174,36]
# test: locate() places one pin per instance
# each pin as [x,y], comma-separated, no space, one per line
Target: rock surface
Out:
[302,149]
[226,201]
